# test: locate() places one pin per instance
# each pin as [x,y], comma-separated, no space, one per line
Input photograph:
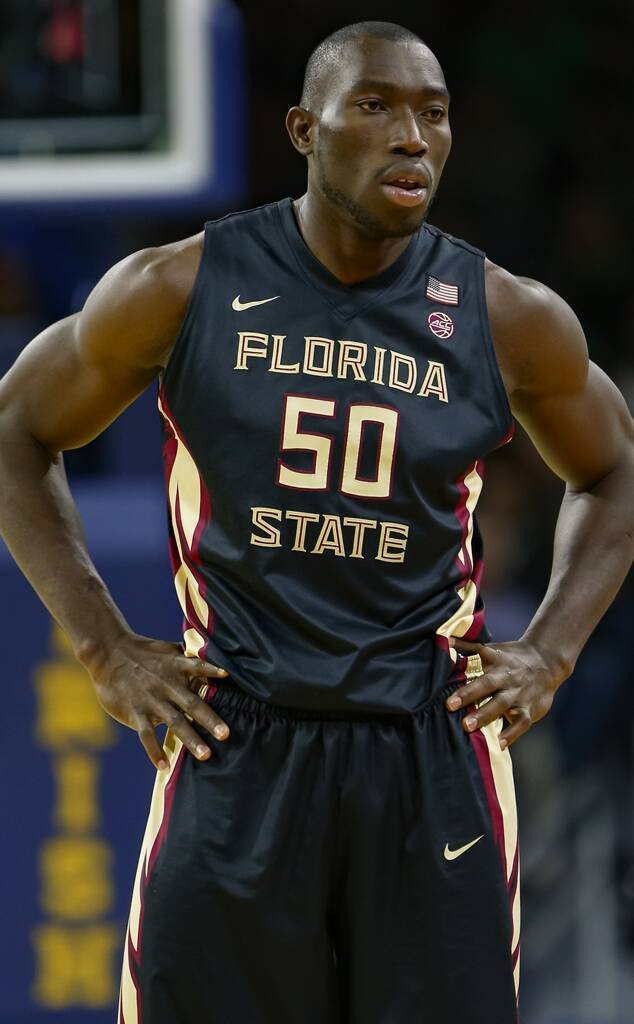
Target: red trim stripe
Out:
[484,763]
[462,515]
[477,623]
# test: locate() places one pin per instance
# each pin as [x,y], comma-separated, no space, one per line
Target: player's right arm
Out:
[65,388]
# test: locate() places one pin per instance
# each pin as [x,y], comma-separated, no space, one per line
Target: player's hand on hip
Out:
[145,682]
[515,682]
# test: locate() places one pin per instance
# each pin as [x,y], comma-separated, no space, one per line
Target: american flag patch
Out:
[440,291]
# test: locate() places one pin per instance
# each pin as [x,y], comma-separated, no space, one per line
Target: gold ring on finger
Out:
[474,667]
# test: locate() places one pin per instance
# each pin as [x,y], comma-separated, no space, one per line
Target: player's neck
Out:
[338,243]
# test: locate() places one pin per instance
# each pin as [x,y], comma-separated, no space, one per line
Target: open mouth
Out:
[404,191]
[406,183]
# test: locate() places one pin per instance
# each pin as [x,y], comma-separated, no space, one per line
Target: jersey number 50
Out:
[379,485]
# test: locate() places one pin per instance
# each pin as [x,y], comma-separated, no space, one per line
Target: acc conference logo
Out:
[440,324]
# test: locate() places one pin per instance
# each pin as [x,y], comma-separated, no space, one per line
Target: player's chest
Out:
[359,401]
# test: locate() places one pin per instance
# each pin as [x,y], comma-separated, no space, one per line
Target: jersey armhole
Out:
[192,307]
[507,419]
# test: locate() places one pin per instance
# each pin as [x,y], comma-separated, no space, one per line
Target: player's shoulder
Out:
[168,268]
[534,329]
[137,306]
[173,266]
[248,220]
[451,241]
[521,304]
[154,278]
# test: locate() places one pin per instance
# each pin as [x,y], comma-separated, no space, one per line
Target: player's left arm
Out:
[580,424]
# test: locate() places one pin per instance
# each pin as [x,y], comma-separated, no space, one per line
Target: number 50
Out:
[318,478]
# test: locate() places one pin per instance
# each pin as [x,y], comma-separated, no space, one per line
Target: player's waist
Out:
[346,679]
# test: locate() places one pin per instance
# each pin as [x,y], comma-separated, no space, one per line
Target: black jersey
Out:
[324,449]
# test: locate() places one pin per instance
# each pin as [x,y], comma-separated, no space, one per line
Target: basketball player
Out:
[332,835]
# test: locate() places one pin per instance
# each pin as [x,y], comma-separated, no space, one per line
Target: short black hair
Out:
[327,52]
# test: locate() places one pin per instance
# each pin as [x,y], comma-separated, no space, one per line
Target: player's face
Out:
[383,135]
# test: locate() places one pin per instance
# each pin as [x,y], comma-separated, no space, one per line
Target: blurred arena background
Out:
[127,123]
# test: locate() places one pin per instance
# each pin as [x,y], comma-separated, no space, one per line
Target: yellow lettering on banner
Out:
[76,806]
[75,966]
[67,708]
[391,545]
[76,877]
[74,954]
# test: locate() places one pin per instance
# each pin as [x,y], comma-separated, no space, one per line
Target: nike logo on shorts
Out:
[453,854]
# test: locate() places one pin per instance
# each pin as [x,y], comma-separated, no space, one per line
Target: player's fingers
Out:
[150,742]
[488,712]
[473,692]
[177,722]
[466,646]
[520,723]
[195,708]
[201,669]
[209,720]
[489,653]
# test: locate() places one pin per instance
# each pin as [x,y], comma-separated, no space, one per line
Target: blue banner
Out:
[75,784]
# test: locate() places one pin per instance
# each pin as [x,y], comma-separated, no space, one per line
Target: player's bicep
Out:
[78,375]
[581,433]
[64,391]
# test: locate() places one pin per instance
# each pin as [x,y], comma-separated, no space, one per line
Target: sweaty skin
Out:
[383,113]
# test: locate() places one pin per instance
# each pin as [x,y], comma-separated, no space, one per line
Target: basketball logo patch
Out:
[440,324]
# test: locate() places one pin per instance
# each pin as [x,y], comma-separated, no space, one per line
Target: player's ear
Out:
[301,124]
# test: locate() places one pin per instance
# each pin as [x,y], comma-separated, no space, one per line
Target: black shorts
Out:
[321,869]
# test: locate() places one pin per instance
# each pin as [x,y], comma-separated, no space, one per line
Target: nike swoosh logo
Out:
[239,306]
[452,854]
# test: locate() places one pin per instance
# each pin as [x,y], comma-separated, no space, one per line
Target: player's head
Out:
[374,107]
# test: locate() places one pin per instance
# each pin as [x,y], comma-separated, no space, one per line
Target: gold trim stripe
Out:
[502,770]
[460,622]
[128,999]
